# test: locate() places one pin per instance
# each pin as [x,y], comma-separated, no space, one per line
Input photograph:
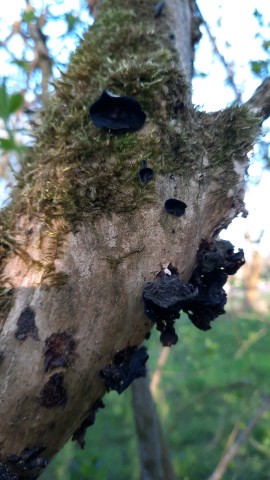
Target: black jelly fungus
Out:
[146,174]
[26,326]
[54,393]
[79,434]
[175,207]
[158,9]
[127,365]
[5,474]
[59,351]
[117,113]
[29,459]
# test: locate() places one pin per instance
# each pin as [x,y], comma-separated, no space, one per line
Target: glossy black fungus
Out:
[146,174]
[127,365]
[30,459]
[175,207]
[5,474]
[54,393]
[26,326]
[59,351]
[79,434]
[117,113]
[158,9]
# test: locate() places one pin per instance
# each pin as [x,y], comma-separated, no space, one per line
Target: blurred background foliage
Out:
[211,385]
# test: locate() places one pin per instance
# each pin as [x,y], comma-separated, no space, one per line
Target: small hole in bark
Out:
[175,207]
[54,393]
[117,113]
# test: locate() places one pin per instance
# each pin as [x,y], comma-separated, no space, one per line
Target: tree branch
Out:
[241,439]
[259,103]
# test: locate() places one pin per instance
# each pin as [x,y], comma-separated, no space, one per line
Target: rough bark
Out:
[82,235]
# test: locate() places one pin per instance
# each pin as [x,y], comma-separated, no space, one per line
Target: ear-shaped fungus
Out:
[117,113]
[163,300]
[127,365]
[175,207]
[146,173]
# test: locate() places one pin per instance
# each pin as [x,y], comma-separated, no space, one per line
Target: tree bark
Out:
[82,235]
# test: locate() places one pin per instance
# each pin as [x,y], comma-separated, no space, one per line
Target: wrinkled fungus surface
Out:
[26,326]
[127,365]
[79,434]
[5,474]
[117,113]
[59,351]
[54,393]
[29,459]
[203,298]
[175,207]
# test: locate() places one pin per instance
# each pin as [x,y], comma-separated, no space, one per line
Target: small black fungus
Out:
[175,207]
[54,393]
[117,113]
[29,459]
[158,9]
[127,365]
[168,337]
[146,174]
[79,434]
[59,351]
[26,325]
[5,474]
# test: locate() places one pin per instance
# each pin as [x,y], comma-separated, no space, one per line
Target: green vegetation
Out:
[212,383]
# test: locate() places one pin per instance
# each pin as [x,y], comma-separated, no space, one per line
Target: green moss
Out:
[75,171]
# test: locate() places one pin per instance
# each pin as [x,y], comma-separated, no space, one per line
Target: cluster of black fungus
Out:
[215,261]
[127,365]
[117,113]
[163,301]
[79,434]
[5,474]
[29,459]
[203,298]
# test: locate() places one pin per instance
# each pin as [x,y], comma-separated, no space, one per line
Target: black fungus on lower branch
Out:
[126,366]
[5,473]
[79,434]
[29,460]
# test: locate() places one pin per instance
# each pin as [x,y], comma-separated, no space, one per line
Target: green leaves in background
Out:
[9,103]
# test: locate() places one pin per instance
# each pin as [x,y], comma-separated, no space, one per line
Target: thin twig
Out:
[157,373]
[232,451]
[227,66]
